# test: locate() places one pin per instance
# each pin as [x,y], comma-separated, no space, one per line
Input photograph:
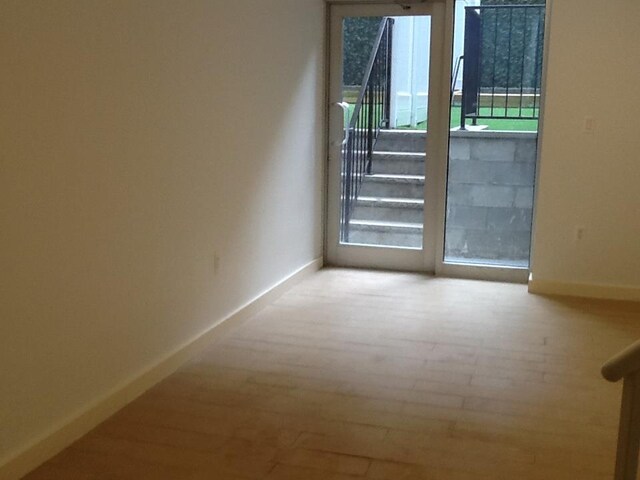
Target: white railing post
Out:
[629,430]
[626,366]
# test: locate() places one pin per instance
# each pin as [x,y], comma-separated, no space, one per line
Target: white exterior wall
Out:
[410,65]
[410,70]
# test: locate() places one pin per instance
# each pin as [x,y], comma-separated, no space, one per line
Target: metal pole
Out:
[387,105]
[370,127]
[629,430]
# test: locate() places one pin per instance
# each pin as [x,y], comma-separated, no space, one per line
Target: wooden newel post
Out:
[629,429]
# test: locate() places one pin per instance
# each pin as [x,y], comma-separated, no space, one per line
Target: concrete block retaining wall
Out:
[490,198]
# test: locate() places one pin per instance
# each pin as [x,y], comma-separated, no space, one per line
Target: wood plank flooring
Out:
[356,374]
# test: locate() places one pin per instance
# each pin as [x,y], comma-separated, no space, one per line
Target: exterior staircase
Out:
[390,206]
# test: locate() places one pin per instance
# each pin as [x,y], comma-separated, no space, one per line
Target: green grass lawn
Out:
[511,125]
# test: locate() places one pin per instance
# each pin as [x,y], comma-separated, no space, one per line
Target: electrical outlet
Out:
[579,233]
[589,125]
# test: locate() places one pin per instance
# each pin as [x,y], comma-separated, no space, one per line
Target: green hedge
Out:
[527,33]
[359,36]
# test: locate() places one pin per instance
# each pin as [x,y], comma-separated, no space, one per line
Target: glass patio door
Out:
[388,123]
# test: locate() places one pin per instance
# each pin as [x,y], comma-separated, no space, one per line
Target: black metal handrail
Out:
[500,63]
[456,74]
[371,113]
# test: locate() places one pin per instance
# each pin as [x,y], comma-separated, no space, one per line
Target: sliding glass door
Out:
[433,136]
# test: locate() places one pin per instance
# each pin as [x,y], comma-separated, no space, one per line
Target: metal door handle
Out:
[345,112]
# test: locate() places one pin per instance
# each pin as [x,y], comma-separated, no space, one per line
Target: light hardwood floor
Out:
[356,374]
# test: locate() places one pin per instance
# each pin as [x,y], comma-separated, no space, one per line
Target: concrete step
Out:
[401,141]
[397,234]
[389,210]
[393,186]
[398,163]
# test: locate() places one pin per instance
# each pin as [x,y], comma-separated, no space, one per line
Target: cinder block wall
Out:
[490,202]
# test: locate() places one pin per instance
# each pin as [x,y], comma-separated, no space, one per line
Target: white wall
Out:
[591,180]
[137,138]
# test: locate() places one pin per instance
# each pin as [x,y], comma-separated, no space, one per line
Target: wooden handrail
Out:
[623,364]
[626,365]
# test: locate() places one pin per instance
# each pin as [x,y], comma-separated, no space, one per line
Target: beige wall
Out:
[138,137]
[591,180]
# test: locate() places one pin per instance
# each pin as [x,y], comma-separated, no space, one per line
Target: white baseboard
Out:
[18,463]
[584,290]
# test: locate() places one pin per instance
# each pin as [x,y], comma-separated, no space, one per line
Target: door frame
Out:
[436,167]
[393,258]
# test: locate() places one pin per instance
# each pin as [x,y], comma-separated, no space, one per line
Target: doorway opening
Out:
[384,94]
[435,154]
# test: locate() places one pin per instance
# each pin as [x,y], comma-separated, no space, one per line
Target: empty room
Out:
[309,239]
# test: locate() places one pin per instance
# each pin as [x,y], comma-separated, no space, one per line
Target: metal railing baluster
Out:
[506,98]
[370,114]
[495,60]
[524,56]
[537,60]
